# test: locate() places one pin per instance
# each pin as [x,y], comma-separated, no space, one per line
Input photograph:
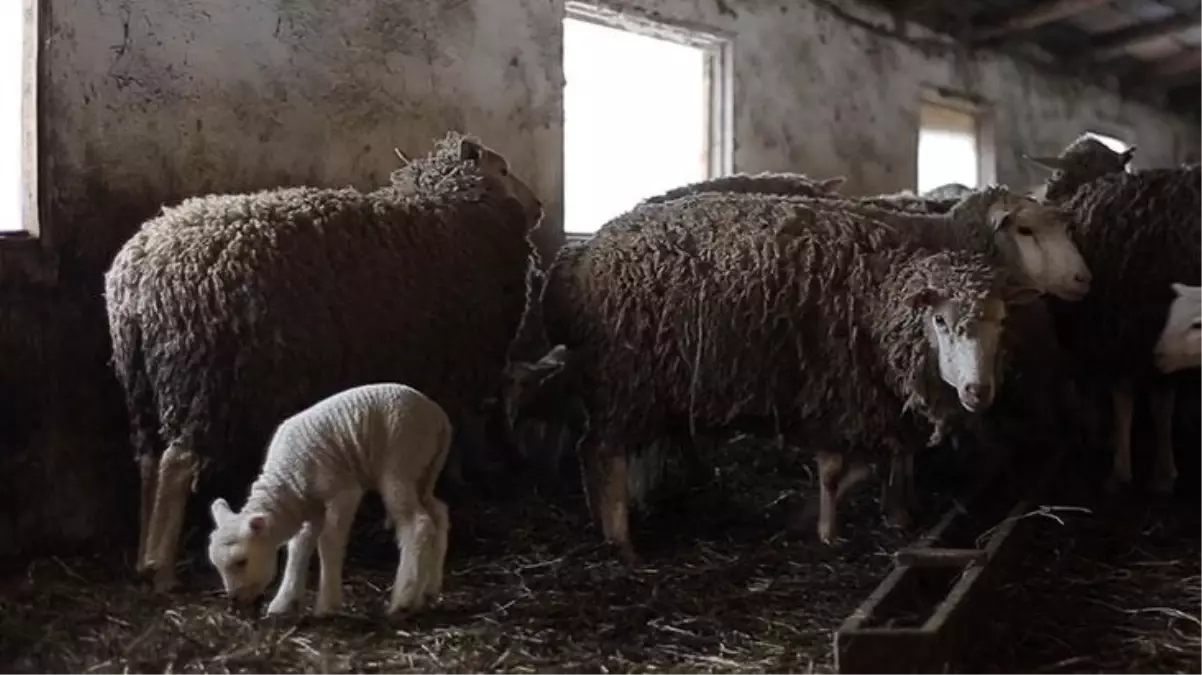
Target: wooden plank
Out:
[1116,43]
[1039,15]
[931,556]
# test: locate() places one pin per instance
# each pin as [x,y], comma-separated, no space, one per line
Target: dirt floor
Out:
[720,590]
[528,589]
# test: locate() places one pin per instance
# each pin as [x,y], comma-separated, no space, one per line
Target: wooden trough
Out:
[951,567]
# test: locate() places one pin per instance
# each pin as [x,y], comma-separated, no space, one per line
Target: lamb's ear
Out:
[220,511]
[927,297]
[832,185]
[470,151]
[999,218]
[1127,155]
[256,524]
[1052,163]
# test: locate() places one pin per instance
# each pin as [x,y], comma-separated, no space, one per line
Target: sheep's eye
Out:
[940,322]
[1025,231]
[1197,325]
[240,564]
[504,171]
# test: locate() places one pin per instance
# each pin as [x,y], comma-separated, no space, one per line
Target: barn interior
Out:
[113,110]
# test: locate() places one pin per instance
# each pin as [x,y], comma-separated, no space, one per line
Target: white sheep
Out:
[387,437]
[1180,343]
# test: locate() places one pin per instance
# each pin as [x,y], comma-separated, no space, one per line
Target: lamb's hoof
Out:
[165,582]
[624,552]
[1115,486]
[322,611]
[406,605]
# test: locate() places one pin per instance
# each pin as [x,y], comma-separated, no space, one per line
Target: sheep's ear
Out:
[551,363]
[999,218]
[832,185]
[1127,154]
[256,524]
[1053,163]
[1022,295]
[922,299]
[470,151]
[220,511]
[405,161]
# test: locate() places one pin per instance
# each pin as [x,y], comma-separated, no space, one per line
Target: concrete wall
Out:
[147,102]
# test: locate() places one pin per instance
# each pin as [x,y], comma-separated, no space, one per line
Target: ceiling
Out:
[1147,48]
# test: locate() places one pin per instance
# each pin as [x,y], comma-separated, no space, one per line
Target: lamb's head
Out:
[1084,160]
[242,553]
[962,302]
[495,168]
[1035,241]
[1180,343]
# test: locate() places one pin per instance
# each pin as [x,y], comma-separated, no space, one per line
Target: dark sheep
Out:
[1084,160]
[769,183]
[1140,233]
[721,311]
[229,313]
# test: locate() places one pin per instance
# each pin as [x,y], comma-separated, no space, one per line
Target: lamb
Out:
[385,437]
[230,312]
[1140,233]
[723,311]
[795,184]
[1180,343]
[1084,160]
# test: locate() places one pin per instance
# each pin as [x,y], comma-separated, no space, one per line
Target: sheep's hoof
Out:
[1115,486]
[165,581]
[1162,486]
[624,552]
[406,605]
[802,520]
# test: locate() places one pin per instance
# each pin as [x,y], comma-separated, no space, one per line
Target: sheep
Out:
[795,184]
[385,437]
[1140,232]
[1084,160]
[718,311]
[948,191]
[230,312]
[1180,343]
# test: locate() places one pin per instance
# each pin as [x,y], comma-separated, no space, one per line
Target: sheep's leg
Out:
[897,491]
[436,554]
[1120,476]
[331,550]
[1164,475]
[177,473]
[605,474]
[149,476]
[830,467]
[296,571]
[416,537]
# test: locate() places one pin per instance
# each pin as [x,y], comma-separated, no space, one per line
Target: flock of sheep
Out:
[345,330]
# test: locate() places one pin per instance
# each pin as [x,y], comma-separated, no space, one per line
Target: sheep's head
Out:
[964,327]
[496,168]
[524,380]
[1084,160]
[1180,342]
[242,553]
[1035,241]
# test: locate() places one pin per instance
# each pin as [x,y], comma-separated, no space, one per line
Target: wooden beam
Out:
[1116,43]
[1041,14]
[1179,64]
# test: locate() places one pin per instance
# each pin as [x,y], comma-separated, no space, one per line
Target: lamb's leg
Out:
[1164,475]
[296,571]
[804,519]
[416,537]
[1120,476]
[149,476]
[436,554]
[177,473]
[331,549]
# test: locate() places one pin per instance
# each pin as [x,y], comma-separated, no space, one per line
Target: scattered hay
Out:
[1115,591]
[528,590]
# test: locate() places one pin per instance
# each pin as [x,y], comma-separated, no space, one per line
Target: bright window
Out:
[948,147]
[12,85]
[638,117]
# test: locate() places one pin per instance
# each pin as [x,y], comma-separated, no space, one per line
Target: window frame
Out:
[32,95]
[718,48]
[984,129]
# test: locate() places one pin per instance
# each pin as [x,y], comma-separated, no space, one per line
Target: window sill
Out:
[25,258]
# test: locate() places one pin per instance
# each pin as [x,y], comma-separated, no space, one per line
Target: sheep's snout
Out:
[246,604]
[976,396]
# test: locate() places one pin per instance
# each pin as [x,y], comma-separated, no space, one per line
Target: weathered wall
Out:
[150,101]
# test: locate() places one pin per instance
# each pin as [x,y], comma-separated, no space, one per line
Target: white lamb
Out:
[387,437]
[1180,343]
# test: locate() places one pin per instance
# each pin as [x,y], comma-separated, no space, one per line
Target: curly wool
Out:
[1138,232]
[824,345]
[794,184]
[229,313]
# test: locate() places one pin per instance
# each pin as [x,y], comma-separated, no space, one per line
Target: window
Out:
[948,147]
[17,147]
[646,109]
